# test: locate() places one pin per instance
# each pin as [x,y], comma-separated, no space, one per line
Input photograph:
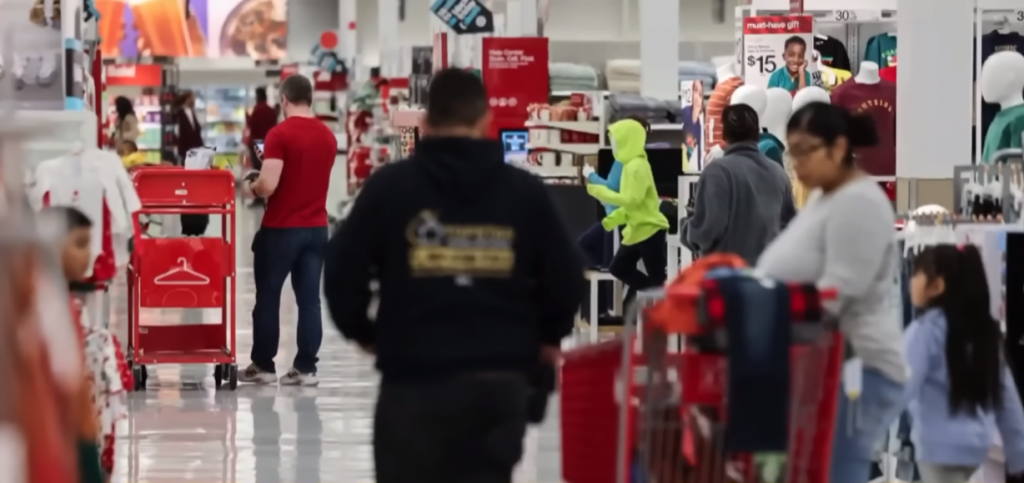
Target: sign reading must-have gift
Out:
[464,16]
[778,51]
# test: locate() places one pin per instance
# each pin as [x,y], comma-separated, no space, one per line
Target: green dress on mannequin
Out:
[1004,132]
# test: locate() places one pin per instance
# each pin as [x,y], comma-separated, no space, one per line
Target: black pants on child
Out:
[464,429]
[194,225]
[655,257]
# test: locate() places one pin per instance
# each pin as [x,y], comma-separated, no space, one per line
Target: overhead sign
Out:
[140,75]
[464,16]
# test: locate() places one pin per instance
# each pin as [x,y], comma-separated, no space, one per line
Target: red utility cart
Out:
[185,273]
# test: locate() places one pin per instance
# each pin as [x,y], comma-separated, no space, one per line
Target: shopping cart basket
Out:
[649,407]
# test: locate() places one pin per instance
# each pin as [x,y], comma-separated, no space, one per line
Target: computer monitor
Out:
[515,143]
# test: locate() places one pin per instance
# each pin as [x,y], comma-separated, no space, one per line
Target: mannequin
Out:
[757,98]
[777,112]
[726,71]
[1002,80]
[868,73]
[753,96]
[802,98]
[808,95]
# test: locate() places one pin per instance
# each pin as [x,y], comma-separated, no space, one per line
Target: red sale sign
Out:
[515,74]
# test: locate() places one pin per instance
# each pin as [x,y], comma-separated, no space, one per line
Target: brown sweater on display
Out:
[720,98]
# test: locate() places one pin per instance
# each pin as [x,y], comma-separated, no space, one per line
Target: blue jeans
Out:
[861,426]
[278,252]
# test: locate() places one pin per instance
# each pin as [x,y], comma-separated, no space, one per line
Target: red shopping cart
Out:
[649,407]
[183,272]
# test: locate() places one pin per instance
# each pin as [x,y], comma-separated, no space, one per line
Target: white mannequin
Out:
[868,73]
[776,114]
[753,96]
[726,71]
[808,95]
[1002,79]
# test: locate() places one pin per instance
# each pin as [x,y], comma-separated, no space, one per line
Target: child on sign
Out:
[795,76]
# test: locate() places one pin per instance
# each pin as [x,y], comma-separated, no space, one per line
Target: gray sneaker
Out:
[255,375]
[296,378]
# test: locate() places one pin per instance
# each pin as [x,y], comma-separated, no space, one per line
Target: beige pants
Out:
[945,474]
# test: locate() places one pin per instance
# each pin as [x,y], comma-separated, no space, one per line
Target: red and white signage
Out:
[515,73]
[288,70]
[777,49]
[330,81]
[141,75]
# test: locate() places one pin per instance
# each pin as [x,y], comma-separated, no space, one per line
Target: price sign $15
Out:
[765,64]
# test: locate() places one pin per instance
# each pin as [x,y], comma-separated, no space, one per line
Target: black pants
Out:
[468,429]
[194,225]
[654,254]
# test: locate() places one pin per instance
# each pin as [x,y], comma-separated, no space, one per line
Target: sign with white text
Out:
[778,52]
[464,16]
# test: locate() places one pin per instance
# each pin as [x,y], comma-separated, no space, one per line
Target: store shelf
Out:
[589,127]
[580,148]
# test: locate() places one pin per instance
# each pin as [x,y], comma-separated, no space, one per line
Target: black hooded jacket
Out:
[476,270]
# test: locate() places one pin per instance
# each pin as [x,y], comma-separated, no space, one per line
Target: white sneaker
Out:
[296,378]
[255,375]
[47,69]
[20,63]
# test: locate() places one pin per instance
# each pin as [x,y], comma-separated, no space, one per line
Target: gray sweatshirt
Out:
[846,240]
[743,201]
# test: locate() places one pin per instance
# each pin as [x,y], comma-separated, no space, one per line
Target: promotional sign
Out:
[141,75]
[256,29]
[778,51]
[515,72]
[691,99]
[464,16]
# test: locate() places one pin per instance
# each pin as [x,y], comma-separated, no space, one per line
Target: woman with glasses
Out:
[843,239]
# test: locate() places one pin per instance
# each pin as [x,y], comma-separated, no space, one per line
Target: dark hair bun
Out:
[861,131]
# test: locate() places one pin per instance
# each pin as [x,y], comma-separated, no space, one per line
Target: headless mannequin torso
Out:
[868,73]
[777,111]
[752,96]
[808,95]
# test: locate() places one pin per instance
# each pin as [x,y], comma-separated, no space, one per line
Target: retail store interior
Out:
[163,357]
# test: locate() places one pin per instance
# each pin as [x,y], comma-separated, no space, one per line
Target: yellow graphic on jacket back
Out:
[463,251]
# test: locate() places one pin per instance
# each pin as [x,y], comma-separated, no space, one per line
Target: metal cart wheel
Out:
[139,376]
[232,370]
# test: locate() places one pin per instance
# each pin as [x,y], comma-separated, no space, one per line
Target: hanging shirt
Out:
[991,43]
[1005,132]
[881,49]
[832,77]
[888,73]
[771,147]
[879,101]
[832,52]
[720,98]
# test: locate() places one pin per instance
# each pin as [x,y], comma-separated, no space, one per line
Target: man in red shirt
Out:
[259,123]
[297,161]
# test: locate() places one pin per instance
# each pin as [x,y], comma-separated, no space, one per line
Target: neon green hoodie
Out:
[637,198]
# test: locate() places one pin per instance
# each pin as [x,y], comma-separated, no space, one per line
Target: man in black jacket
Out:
[478,281]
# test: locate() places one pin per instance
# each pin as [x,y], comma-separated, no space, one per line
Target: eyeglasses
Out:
[804,151]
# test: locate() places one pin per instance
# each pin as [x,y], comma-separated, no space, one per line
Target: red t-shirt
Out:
[879,101]
[307,148]
[261,121]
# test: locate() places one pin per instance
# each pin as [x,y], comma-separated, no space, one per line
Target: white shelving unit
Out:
[557,156]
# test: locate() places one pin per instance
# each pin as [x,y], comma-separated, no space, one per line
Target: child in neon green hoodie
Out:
[638,209]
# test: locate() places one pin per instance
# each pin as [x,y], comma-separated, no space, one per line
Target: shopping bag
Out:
[678,315]
[199,158]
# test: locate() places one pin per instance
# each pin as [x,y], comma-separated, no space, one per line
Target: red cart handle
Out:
[687,292]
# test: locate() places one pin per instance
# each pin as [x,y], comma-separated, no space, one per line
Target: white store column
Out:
[521,18]
[348,38]
[933,99]
[387,37]
[659,49]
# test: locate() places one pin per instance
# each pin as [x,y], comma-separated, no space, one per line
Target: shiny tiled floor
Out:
[182,430]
